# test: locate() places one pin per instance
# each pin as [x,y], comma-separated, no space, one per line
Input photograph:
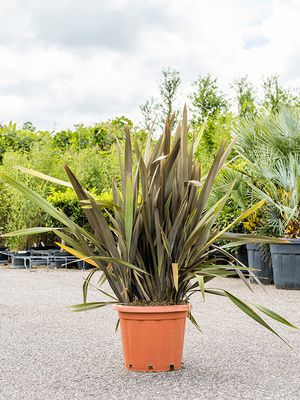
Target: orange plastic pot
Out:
[153,336]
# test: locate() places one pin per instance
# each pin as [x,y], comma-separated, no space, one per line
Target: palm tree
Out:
[270,147]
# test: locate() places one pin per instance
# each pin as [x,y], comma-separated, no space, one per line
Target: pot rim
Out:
[288,241]
[153,309]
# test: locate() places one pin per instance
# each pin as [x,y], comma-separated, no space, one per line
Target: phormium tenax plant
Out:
[155,245]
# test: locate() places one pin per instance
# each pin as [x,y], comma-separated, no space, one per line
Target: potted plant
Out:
[286,257]
[232,178]
[258,253]
[259,260]
[269,146]
[280,218]
[155,252]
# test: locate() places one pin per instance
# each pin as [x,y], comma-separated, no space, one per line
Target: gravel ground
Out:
[48,353]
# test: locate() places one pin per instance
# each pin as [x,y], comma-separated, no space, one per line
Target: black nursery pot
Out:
[241,255]
[264,268]
[286,264]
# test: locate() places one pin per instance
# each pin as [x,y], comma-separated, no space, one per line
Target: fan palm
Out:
[270,145]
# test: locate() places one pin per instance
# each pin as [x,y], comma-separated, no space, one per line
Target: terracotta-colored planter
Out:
[153,336]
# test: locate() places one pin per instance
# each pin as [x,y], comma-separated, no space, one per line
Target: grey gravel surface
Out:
[49,353]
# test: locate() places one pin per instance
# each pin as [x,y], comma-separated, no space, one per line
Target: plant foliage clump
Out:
[158,246]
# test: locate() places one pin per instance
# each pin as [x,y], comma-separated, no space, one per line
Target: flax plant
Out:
[159,243]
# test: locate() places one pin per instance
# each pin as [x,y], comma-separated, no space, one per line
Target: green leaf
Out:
[201,284]
[160,158]
[68,239]
[117,325]
[105,293]
[86,284]
[274,315]
[119,261]
[38,200]
[45,177]
[102,279]
[244,215]
[216,292]
[194,322]
[128,153]
[251,313]
[244,238]
[28,231]
[101,203]
[216,165]
[95,218]
[129,206]
[90,306]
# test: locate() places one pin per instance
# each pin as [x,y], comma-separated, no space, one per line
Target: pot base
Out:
[170,368]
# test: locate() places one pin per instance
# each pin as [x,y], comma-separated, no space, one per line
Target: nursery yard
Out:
[49,353]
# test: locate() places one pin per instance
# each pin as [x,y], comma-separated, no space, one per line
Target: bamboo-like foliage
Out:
[158,246]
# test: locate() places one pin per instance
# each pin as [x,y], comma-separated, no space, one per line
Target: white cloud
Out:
[63,62]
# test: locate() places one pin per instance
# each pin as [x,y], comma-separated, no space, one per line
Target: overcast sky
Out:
[69,61]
